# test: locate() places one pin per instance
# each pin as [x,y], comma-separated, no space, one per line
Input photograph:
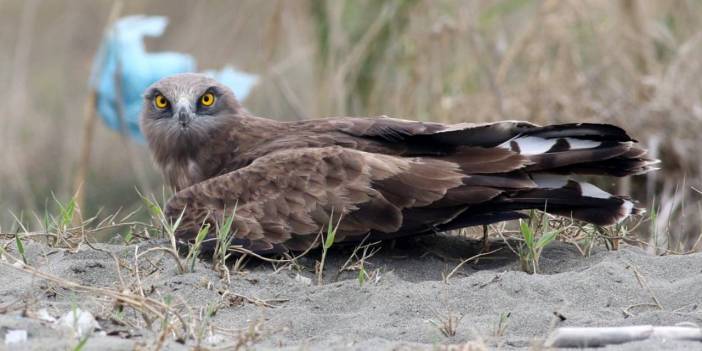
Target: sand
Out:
[392,311]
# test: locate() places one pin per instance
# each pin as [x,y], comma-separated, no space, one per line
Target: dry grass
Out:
[151,311]
[633,63]
[446,323]
[130,301]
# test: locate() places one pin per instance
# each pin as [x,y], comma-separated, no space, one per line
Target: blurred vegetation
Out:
[633,63]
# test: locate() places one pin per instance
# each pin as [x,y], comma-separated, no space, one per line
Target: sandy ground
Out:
[393,311]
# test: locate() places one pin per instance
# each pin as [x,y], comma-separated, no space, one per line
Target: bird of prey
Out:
[284,182]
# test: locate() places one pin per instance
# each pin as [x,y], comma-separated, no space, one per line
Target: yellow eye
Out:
[161,102]
[207,99]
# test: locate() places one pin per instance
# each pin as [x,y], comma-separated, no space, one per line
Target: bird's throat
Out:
[182,173]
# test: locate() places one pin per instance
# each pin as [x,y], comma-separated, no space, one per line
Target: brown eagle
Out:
[382,177]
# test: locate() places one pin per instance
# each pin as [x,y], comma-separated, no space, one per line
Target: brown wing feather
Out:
[284,199]
[462,134]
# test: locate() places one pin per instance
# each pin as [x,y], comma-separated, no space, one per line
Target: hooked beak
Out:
[184,114]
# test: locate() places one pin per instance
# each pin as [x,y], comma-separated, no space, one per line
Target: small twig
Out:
[11,306]
[361,246]
[171,252]
[628,308]
[447,325]
[255,300]
[448,276]
[643,284]
[89,118]
[242,250]
[114,257]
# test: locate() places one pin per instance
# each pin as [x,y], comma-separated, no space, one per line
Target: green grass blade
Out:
[81,344]
[527,233]
[361,276]
[546,239]
[227,225]
[195,251]
[154,209]
[20,248]
[329,240]
[331,232]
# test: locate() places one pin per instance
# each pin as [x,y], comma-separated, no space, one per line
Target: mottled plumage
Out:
[383,176]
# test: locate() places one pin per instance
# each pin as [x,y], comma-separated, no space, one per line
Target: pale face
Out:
[183,111]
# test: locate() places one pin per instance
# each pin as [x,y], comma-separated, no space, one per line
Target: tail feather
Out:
[580,149]
[561,159]
[512,166]
[616,167]
[589,131]
[563,196]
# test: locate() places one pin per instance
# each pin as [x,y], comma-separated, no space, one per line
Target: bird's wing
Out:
[579,148]
[284,199]
[471,134]
[464,134]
